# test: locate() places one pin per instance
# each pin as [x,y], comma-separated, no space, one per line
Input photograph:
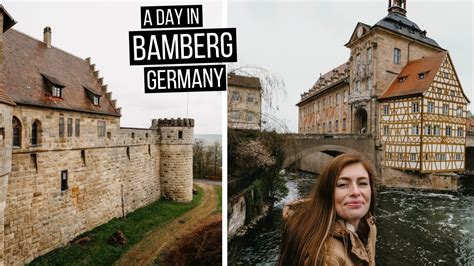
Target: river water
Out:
[414,228]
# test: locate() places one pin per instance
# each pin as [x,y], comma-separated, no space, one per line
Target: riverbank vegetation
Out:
[94,247]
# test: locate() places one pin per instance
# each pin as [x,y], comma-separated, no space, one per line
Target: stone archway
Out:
[360,121]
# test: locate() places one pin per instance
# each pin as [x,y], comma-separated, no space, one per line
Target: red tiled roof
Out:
[27,61]
[243,81]
[412,85]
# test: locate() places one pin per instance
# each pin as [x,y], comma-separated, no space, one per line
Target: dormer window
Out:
[402,79]
[422,75]
[54,86]
[93,97]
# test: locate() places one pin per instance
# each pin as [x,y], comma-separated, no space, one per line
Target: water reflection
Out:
[422,228]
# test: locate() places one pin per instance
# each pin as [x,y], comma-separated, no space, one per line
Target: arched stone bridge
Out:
[299,146]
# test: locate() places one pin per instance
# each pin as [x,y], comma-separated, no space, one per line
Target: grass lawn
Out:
[135,226]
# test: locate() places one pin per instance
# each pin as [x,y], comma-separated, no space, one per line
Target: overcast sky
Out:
[100,30]
[299,40]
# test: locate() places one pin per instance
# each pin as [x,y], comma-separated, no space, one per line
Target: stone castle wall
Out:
[108,176]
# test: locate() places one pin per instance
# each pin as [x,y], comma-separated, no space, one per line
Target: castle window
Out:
[69,127]
[415,129]
[16,132]
[250,117]
[128,153]
[235,96]
[133,135]
[396,56]
[250,97]
[61,126]
[385,130]
[83,157]
[386,109]
[415,107]
[34,161]
[78,127]
[93,97]
[369,55]
[101,128]
[56,91]
[34,133]
[460,132]
[448,131]
[445,109]
[436,130]
[428,130]
[64,183]
[430,107]
[180,134]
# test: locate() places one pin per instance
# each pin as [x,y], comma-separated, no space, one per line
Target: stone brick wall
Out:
[5,165]
[108,176]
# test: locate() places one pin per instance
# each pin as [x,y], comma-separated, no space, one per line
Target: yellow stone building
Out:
[398,85]
[244,102]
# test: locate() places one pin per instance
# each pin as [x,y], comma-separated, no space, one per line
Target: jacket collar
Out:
[346,231]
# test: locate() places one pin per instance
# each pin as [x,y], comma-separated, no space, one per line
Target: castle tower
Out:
[176,157]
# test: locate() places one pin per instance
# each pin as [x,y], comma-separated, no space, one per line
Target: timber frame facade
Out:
[398,85]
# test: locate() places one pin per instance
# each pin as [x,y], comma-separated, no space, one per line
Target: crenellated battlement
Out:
[172,122]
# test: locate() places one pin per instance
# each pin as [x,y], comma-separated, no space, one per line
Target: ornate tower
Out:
[176,157]
[397,6]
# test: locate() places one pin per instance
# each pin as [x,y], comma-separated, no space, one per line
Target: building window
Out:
[235,115]
[436,130]
[458,157]
[400,156]
[421,75]
[56,91]
[95,100]
[357,87]
[338,99]
[180,134]
[415,129]
[385,130]
[250,117]
[415,107]
[428,129]
[78,127]
[445,109]
[345,96]
[329,126]
[412,156]
[369,84]
[430,107]
[16,132]
[396,56]
[369,55]
[460,132]
[336,126]
[34,133]
[235,96]
[344,124]
[64,184]
[386,109]
[101,128]
[440,91]
[448,131]
[61,126]
[452,93]
[324,127]
[459,111]
[402,79]
[250,97]
[69,127]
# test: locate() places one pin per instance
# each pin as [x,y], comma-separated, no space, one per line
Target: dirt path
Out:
[147,250]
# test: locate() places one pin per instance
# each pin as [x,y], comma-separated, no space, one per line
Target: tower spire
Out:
[397,6]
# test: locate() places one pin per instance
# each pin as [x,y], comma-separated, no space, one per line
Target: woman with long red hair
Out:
[335,225]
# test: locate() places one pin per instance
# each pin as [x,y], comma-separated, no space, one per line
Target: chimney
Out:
[47,36]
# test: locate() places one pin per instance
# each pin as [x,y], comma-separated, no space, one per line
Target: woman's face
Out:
[352,193]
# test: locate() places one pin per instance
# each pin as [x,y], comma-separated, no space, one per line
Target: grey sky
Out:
[100,30]
[298,40]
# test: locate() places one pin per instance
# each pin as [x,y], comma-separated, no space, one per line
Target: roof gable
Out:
[360,30]
[28,61]
[408,82]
